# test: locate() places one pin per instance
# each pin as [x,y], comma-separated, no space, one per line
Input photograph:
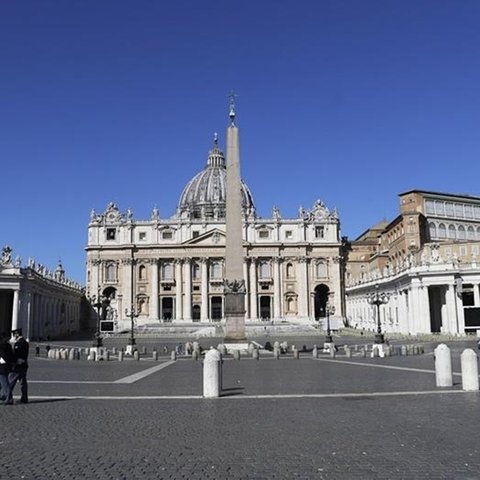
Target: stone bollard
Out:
[114,350]
[469,370]
[403,350]
[355,348]
[255,354]
[212,374]
[222,349]
[196,347]
[296,354]
[155,355]
[333,351]
[251,348]
[120,356]
[348,352]
[236,354]
[276,353]
[71,354]
[443,366]
[136,355]
[107,356]
[195,355]
[144,350]
[276,344]
[364,352]
[92,356]
[173,355]
[315,352]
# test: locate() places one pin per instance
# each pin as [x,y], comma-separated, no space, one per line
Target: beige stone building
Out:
[171,269]
[425,260]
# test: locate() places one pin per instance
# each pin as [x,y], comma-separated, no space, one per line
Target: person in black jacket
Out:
[6,362]
[20,364]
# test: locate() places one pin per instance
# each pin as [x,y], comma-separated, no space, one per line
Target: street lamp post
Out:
[376,298]
[97,303]
[132,313]
[329,310]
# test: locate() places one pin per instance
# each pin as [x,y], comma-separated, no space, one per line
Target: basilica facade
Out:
[161,270]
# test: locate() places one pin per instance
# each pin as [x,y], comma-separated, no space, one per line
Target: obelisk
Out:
[234,287]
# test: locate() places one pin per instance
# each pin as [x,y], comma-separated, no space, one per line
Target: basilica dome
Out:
[204,195]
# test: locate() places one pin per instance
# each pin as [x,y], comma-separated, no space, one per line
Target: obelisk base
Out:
[235,317]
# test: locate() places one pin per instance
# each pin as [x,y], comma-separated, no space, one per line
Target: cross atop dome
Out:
[231,113]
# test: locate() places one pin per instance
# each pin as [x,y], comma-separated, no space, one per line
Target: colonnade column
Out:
[154,289]
[15,310]
[450,323]
[187,304]
[29,331]
[476,294]
[253,288]
[276,287]
[204,287]
[178,288]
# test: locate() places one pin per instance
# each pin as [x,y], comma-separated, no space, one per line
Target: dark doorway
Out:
[196,313]
[321,298]
[167,309]
[6,309]
[436,298]
[216,308]
[265,311]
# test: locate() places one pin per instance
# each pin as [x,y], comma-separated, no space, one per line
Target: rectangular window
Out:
[430,207]
[319,232]
[459,210]
[142,235]
[195,233]
[469,211]
[440,208]
[263,234]
[167,235]
[288,234]
[111,233]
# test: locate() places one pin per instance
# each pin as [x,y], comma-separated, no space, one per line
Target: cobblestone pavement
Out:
[293,419]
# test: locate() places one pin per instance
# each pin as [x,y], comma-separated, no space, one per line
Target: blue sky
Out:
[350,101]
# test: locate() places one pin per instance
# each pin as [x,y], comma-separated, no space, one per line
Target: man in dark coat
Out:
[20,365]
[6,362]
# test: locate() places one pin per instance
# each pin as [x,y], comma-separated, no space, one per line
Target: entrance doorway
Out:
[320,300]
[167,309]
[265,310]
[6,309]
[196,313]
[216,308]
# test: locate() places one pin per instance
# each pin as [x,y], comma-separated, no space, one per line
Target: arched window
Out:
[442,231]
[142,272]
[216,270]
[470,233]
[320,270]
[167,271]
[478,233]
[433,230]
[461,232]
[290,270]
[264,270]
[452,233]
[111,272]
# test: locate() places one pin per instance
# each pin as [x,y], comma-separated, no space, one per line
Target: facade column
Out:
[187,299]
[178,288]
[154,289]
[126,287]
[247,288]
[276,287]
[15,310]
[204,287]
[303,296]
[253,289]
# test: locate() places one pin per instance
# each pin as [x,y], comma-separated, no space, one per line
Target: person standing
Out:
[20,364]
[6,361]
